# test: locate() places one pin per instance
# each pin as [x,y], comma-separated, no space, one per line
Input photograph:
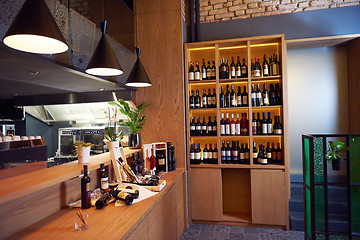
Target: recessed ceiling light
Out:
[15,94]
[101,89]
[33,73]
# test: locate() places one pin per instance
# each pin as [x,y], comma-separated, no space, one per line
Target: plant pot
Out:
[83,154]
[112,145]
[135,140]
[336,163]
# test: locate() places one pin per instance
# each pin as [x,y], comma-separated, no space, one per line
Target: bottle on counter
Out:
[104,179]
[85,190]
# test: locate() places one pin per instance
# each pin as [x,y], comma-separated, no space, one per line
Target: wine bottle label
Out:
[238,72]
[197,156]
[204,102]
[214,128]
[266,100]
[204,74]
[254,131]
[123,195]
[233,73]
[233,101]
[192,155]
[269,128]
[228,153]
[192,128]
[255,155]
[222,129]
[238,129]
[253,95]
[203,128]
[264,161]
[278,131]
[245,131]
[268,155]
[223,153]
[233,129]
[239,101]
[264,129]
[197,75]
[243,70]
[245,100]
[210,155]
[258,95]
[266,70]
[198,128]
[213,73]
[213,102]
[242,155]
[161,161]
[257,73]
[87,186]
[209,128]
[205,155]
[275,71]
[227,129]
[192,105]
[191,76]
[209,101]
[215,155]
[197,105]
[104,182]
[247,155]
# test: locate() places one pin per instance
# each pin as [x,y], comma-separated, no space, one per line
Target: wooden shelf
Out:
[270,78]
[233,108]
[202,82]
[267,107]
[203,136]
[238,166]
[233,80]
[202,109]
[228,137]
[268,136]
[236,217]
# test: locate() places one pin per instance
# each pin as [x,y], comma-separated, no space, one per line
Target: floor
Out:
[221,232]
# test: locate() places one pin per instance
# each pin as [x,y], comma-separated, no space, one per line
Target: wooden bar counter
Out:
[32,206]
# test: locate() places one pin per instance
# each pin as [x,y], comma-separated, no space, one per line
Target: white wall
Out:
[318,96]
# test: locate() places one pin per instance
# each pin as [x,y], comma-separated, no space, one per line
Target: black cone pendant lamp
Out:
[138,76]
[34,30]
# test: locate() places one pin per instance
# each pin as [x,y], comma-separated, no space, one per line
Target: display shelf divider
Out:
[187,107]
[217,57]
[249,103]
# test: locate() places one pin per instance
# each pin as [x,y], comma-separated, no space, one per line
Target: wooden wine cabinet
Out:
[238,194]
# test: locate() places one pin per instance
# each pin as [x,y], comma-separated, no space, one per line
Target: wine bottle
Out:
[269,124]
[227,125]
[192,127]
[277,126]
[277,94]
[222,98]
[227,75]
[210,128]
[232,126]
[276,65]
[140,162]
[203,71]
[197,72]
[214,127]
[228,152]
[244,70]
[260,154]
[237,126]
[209,99]
[272,95]
[258,96]
[265,67]
[244,97]
[254,125]
[192,154]
[204,99]
[103,200]
[204,128]
[257,68]
[227,96]
[264,160]
[152,160]
[278,154]
[208,71]
[160,161]
[210,159]
[85,190]
[215,154]
[252,67]
[258,125]
[236,153]
[205,154]
[232,68]
[264,125]
[244,125]
[273,153]
[247,154]
[223,153]
[198,127]
[222,125]
[268,153]
[253,96]
[192,100]
[271,66]
[255,154]
[213,71]
[239,97]
[197,100]
[233,152]
[265,96]
[198,154]
[242,154]
[222,69]
[123,196]
[191,72]
[214,98]
[238,68]
[104,179]
[232,97]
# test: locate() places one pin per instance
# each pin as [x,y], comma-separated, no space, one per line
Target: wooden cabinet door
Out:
[268,197]
[205,194]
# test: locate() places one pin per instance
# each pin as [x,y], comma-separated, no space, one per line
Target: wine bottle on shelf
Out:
[232,126]
[244,125]
[264,126]
[205,154]
[253,96]
[264,160]
[209,99]
[242,154]
[191,72]
[198,127]
[223,153]
[278,154]
[239,98]
[268,153]
[210,159]
[227,96]
[160,161]
[192,100]
[222,98]
[237,152]
[204,100]
[257,68]
[277,65]
[214,98]
[255,153]
[210,128]
[227,71]
[270,66]
[221,69]
[85,190]
[152,160]
[227,125]
[238,68]
[215,154]
[197,72]
[198,154]
[222,125]
[269,124]
[258,125]
[277,94]
[265,96]
[252,67]
[203,71]
[213,71]
[277,126]
[232,68]
[104,179]
[247,154]
[260,154]
[234,154]
[273,153]
[228,152]
[244,97]
[272,95]
[204,128]
[258,96]
[244,70]
[254,124]
[192,154]
[208,71]
[237,126]
[214,127]
[197,100]
[265,67]
[232,97]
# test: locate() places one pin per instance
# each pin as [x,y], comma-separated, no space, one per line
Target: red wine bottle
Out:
[232,126]
[255,154]
[227,97]
[204,100]
[258,125]
[232,68]
[198,127]
[244,97]
[205,154]
[244,70]
[222,98]
[258,96]
[238,68]
[197,72]
[254,125]
[204,128]
[104,179]
[213,71]
[192,127]
[215,154]
[209,99]
[269,124]
[85,190]
[210,128]
[192,100]
[197,100]
[152,160]
[265,67]
[228,152]
[253,96]
[223,153]
[264,125]
[239,98]
[203,71]
[198,154]
[232,97]
[214,127]
[210,155]
[237,126]
[192,154]
[265,96]
[257,68]
[222,125]
[213,97]
[191,72]
[208,71]
[227,125]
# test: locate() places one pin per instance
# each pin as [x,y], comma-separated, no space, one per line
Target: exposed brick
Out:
[318,3]
[333,6]
[224,15]
[204,13]
[255,10]
[337,1]
[206,8]
[265,4]
[251,1]
[241,17]
[210,18]
[348,4]
[237,2]
[257,14]
[290,6]
[298,10]
[204,3]
[218,11]
[228,4]
[303,4]
[239,13]
[252,5]
[212,2]
[351,0]
[202,19]
[218,6]
[270,9]
[276,13]
[297,1]
[316,8]
[285,1]
[238,7]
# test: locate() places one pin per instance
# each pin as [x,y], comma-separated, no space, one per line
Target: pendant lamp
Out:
[138,76]
[104,62]
[34,30]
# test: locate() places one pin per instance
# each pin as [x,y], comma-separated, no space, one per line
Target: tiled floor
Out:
[221,232]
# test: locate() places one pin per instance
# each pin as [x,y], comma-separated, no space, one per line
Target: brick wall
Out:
[222,10]
[80,6]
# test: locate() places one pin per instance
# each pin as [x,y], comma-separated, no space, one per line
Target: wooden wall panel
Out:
[159,35]
[354,85]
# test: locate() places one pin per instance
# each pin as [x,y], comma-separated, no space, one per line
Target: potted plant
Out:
[332,154]
[83,151]
[135,122]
